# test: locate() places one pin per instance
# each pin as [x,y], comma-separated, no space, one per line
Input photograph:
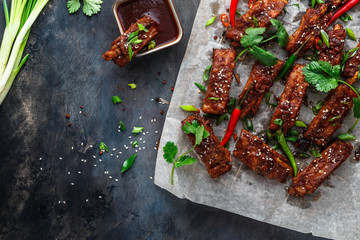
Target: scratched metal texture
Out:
[51,185]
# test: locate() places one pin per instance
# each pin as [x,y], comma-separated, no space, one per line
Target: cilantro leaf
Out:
[252,37]
[314,74]
[263,56]
[91,7]
[170,151]
[185,160]
[199,135]
[282,35]
[73,6]
[195,128]
[356,108]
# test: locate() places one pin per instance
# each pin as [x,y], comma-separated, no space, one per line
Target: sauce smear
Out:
[159,10]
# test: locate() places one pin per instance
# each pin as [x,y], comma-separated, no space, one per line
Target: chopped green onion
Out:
[221,119]
[116,99]
[334,118]
[231,106]
[346,17]
[346,137]
[293,132]
[131,53]
[297,5]
[303,155]
[300,124]
[270,137]
[317,108]
[135,143]
[103,147]
[248,124]
[132,35]
[210,21]
[267,100]
[214,98]
[128,163]
[132,85]
[122,126]
[206,73]
[325,38]
[137,130]
[152,44]
[351,34]
[238,13]
[189,108]
[201,87]
[142,28]
[278,122]
[315,153]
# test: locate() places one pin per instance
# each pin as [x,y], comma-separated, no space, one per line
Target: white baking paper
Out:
[333,211]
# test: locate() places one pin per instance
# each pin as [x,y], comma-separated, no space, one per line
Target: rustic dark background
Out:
[51,185]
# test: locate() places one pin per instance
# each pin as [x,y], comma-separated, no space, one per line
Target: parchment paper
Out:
[333,211]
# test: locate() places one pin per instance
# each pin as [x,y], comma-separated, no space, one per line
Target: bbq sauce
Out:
[159,10]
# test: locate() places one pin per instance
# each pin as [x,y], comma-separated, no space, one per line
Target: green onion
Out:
[315,153]
[346,137]
[131,53]
[325,38]
[206,73]
[267,100]
[238,13]
[346,17]
[132,85]
[292,139]
[137,130]
[334,118]
[214,98]
[128,163]
[210,21]
[122,126]
[221,119]
[231,106]
[142,28]
[103,147]
[303,155]
[248,124]
[134,144]
[293,132]
[189,108]
[116,99]
[317,108]
[300,124]
[270,137]
[351,34]
[201,87]
[152,44]
[278,122]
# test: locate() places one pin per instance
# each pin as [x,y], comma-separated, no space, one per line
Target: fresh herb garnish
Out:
[221,119]
[231,105]
[303,155]
[210,21]
[103,147]
[346,137]
[137,130]
[315,153]
[116,99]
[300,124]
[315,109]
[201,87]
[152,44]
[122,126]
[351,34]
[297,5]
[128,163]
[90,6]
[171,150]
[142,28]
[346,56]
[334,118]
[325,38]
[281,34]
[267,100]
[206,73]
[346,17]
[247,124]
[238,13]
[189,108]
[278,122]
[214,98]
[132,85]
[254,21]
[131,53]
[135,143]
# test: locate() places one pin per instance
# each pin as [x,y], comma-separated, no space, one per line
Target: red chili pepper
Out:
[225,20]
[346,7]
[317,43]
[251,3]
[233,8]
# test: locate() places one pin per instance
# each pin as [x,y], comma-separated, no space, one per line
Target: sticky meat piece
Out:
[311,24]
[352,65]
[220,81]
[119,51]
[263,11]
[309,179]
[291,100]
[333,53]
[215,157]
[255,154]
[337,105]
[260,80]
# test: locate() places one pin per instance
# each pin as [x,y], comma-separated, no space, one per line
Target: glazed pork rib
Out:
[254,153]
[215,157]
[334,52]
[263,11]
[352,65]
[291,100]
[337,105]
[260,80]
[309,179]
[220,81]
[119,51]
[311,24]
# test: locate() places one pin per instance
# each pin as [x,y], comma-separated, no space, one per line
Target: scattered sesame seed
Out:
[72,184]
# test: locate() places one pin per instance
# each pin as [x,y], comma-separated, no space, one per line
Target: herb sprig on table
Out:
[90,7]
[171,150]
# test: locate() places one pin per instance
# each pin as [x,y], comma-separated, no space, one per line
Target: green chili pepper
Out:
[284,146]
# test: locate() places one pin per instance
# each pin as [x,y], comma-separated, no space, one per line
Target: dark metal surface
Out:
[52,187]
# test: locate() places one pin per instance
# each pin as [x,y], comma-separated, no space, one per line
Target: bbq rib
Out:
[215,157]
[119,51]
[337,105]
[311,24]
[220,81]
[309,179]
[254,153]
[263,11]
[260,80]
[291,100]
